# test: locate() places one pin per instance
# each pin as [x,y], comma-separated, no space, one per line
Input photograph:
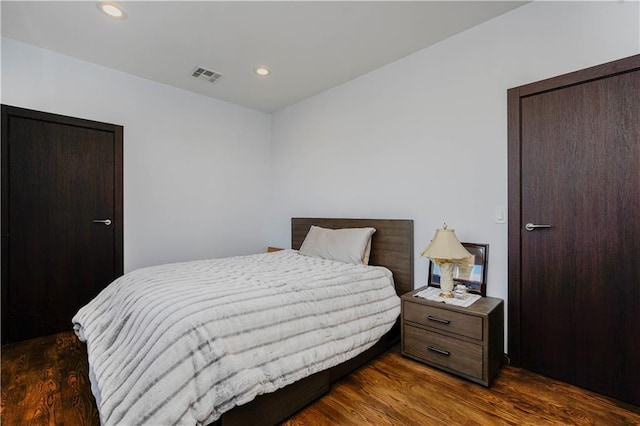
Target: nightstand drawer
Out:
[443,319]
[442,350]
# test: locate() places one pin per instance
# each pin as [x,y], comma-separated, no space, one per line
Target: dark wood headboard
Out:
[391,246]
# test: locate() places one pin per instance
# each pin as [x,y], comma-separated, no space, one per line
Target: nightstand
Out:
[468,342]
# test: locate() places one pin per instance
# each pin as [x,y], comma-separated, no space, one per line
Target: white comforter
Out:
[183,343]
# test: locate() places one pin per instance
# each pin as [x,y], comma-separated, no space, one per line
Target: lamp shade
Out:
[445,246]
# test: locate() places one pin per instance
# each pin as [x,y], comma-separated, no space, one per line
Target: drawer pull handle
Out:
[443,321]
[439,351]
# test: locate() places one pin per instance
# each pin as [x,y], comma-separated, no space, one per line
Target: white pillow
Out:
[347,245]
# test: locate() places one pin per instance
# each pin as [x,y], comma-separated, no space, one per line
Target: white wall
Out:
[425,138]
[196,170]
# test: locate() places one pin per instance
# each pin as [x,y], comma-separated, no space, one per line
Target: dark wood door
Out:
[576,285]
[60,176]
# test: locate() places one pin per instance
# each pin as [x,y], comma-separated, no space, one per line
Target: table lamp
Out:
[445,250]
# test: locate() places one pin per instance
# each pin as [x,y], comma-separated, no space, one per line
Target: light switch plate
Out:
[501,215]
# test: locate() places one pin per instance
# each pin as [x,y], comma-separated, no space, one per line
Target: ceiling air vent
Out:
[206,74]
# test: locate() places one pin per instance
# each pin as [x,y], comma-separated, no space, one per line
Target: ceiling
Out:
[309,46]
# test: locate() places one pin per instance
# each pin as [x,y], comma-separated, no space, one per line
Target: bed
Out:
[143,337]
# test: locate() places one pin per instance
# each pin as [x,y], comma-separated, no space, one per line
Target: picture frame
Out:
[473,274]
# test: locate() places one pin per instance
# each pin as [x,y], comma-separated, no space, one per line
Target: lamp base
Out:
[446,278]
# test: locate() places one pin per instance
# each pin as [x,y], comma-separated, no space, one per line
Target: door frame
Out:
[117,131]
[514,144]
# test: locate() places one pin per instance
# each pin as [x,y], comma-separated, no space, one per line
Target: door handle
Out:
[105,221]
[531,226]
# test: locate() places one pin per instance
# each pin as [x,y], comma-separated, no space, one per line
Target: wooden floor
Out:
[394,390]
[45,382]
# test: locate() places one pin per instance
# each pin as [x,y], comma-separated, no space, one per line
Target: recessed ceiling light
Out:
[262,70]
[112,10]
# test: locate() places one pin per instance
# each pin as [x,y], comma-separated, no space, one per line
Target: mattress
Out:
[183,343]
